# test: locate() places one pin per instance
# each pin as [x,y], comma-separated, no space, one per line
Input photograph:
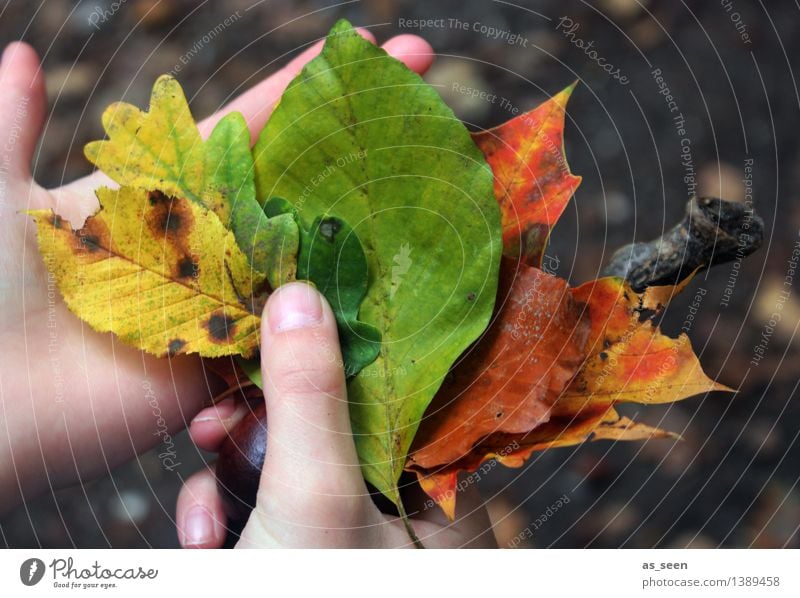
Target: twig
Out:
[714,231]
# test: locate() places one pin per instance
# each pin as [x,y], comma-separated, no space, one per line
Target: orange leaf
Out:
[509,380]
[627,360]
[532,180]
[512,450]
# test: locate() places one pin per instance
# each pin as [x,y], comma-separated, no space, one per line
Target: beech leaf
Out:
[359,136]
[509,380]
[626,360]
[160,272]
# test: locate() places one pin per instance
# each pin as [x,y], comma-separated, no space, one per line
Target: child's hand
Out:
[312,493]
[75,403]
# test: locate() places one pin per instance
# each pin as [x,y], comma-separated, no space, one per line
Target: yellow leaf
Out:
[159,149]
[162,273]
[162,149]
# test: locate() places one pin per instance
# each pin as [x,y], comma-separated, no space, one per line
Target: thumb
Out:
[311,473]
[22,108]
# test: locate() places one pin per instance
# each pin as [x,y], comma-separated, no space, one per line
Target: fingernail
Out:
[198,527]
[294,305]
[219,412]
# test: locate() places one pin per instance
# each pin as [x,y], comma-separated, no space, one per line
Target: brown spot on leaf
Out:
[603,355]
[93,237]
[171,222]
[169,217]
[471,297]
[157,197]
[221,327]
[175,346]
[187,267]
[90,243]
[56,221]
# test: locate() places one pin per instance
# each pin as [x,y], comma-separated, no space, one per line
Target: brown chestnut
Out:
[241,458]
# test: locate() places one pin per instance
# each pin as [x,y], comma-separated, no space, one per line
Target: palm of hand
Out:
[82,393]
[76,403]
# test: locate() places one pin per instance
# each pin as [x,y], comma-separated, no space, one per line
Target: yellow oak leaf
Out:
[162,149]
[159,149]
[161,272]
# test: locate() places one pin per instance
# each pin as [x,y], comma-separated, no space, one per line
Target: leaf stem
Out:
[407,523]
[225,394]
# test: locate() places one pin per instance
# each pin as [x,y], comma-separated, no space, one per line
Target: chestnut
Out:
[241,458]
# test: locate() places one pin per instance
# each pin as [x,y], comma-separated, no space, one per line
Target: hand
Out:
[75,403]
[312,493]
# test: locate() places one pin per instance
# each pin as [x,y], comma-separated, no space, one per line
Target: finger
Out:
[415,52]
[199,514]
[22,107]
[257,103]
[311,471]
[213,424]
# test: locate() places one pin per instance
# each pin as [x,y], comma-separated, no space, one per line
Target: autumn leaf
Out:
[509,380]
[513,450]
[532,180]
[160,272]
[627,360]
[359,136]
[331,256]
[162,149]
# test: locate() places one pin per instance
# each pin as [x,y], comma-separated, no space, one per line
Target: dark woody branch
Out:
[712,232]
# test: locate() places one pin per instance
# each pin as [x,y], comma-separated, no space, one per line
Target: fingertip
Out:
[22,102]
[20,66]
[200,515]
[366,34]
[416,53]
[294,305]
[212,425]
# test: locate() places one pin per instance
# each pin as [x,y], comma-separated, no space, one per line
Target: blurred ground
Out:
[733,481]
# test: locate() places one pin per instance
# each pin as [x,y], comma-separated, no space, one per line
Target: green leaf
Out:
[359,136]
[252,369]
[162,150]
[331,256]
[271,244]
